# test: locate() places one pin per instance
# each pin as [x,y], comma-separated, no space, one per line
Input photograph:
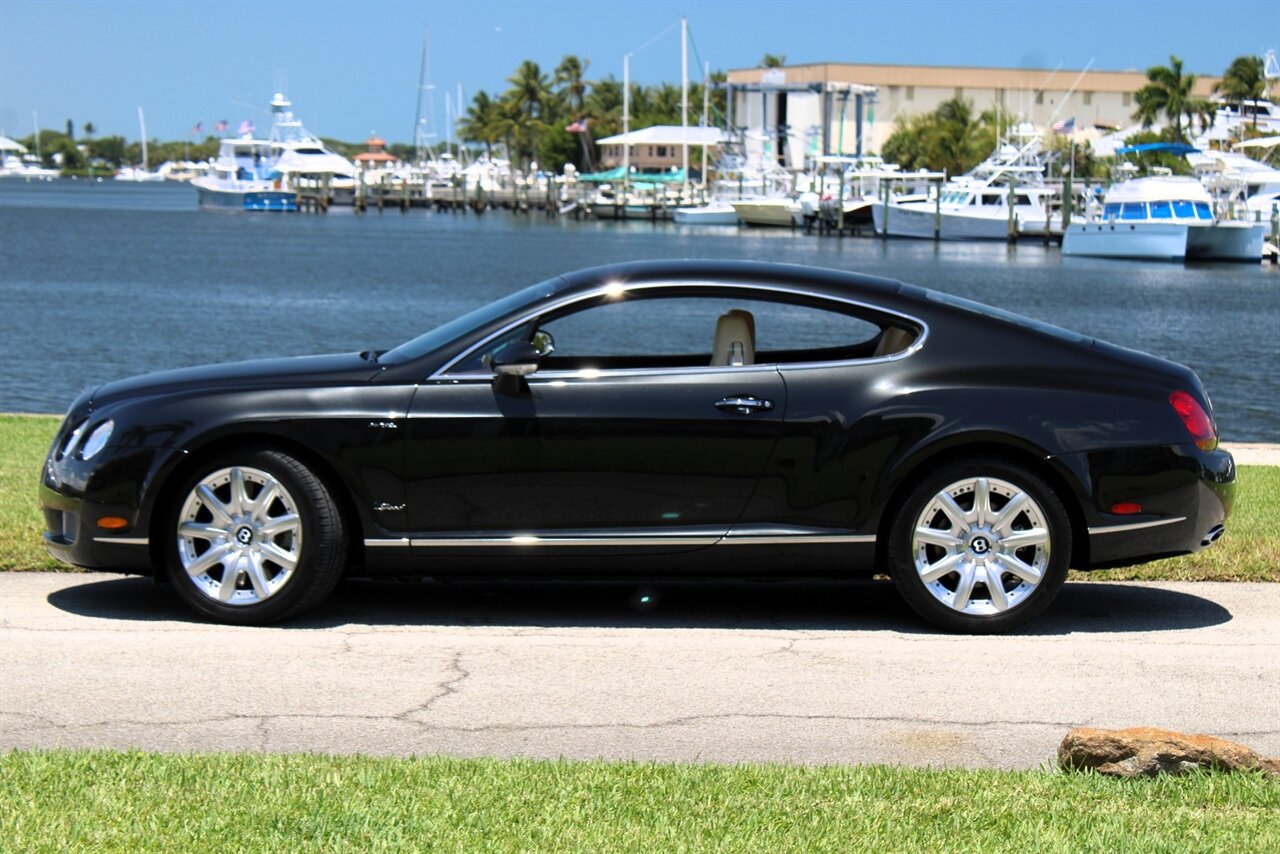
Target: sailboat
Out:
[140,173]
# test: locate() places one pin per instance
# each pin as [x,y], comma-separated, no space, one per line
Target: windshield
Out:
[442,335]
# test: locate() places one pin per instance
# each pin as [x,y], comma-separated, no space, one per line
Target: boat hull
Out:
[1227,241]
[913,221]
[713,214]
[1161,241]
[773,214]
[247,200]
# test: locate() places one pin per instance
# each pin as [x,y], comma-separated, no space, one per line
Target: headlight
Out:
[72,440]
[97,440]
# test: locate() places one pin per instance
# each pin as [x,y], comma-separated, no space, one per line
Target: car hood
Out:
[259,373]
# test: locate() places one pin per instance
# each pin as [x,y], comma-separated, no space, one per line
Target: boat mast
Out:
[706,114]
[142,127]
[626,123]
[684,105]
[420,135]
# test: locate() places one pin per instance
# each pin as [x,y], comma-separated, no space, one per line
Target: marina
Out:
[346,282]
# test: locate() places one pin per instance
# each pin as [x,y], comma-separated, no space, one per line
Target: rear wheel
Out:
[256,538]
[980,546]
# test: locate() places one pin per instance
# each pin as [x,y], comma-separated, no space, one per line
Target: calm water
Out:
[106,280]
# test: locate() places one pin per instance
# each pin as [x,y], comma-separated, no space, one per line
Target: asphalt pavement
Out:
[685,672]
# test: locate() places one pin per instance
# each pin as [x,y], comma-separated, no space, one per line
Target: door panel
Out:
[590,453]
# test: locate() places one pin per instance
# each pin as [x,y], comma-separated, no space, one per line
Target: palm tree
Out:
[604,106]
[1244,80]
[569,77]
[480,124]
[664,104]
[533,106]
[771,60]
[1169,92]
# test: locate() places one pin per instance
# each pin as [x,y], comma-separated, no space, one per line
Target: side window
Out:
[705,331]
[640,331]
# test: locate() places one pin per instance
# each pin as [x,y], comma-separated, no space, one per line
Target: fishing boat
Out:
[1005,192]
[253,174]
[244,178]
[1163,217]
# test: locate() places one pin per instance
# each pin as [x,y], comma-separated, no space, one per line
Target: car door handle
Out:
[744,405]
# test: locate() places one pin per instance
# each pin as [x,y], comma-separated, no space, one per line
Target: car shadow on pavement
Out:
[861,605]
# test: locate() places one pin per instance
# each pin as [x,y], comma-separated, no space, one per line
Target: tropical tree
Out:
[951,138]
[603,106]
[772,60]
[663,104]
[532,107]
[1168,92]
[572,85]
[480,124]
[1244,80]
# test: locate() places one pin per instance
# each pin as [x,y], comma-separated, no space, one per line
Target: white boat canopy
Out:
[666,135]
[1263,142]
[7,144]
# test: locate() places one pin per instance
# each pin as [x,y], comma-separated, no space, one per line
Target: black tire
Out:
[283,540]
[980,554]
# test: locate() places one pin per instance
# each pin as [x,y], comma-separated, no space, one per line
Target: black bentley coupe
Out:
[678,419]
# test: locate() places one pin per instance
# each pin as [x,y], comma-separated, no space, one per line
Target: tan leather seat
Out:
[735,339]
[894,340]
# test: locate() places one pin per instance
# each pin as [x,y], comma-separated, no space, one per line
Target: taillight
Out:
[1195,419]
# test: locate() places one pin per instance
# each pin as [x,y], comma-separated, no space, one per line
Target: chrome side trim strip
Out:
[699,538]
[795,539]
[124,541]
[1136,526]
[530,540]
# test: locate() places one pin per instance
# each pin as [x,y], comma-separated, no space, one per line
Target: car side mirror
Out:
[518,360]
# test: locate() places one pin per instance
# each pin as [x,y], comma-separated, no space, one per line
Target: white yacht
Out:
[298,152]
[244,178]
[976,206]
[1162,217]
[1263,116]
[253,174]
[17,162]
[1248,187]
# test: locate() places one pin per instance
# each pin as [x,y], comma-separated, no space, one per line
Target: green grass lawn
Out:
[1247,552]
[108,801]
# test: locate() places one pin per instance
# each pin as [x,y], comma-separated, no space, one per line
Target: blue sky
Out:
[351,67]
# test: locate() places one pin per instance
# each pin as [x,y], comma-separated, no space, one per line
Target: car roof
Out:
[701,271]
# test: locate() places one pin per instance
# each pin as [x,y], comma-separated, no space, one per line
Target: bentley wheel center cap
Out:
[980,546]
[244,535]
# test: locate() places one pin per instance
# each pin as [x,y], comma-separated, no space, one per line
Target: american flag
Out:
[199,127]
[246,127]
[579,126]
[1065,126]
[221,125]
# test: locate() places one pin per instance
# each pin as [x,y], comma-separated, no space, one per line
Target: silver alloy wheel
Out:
[239,535]
[981,546]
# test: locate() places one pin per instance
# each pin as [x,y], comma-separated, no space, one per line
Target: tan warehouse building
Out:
[797,111]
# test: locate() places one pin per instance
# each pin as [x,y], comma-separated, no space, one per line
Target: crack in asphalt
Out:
[450,688]
[447,688]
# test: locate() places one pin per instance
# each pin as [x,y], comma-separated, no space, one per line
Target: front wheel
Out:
[256,538]
[980,546]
